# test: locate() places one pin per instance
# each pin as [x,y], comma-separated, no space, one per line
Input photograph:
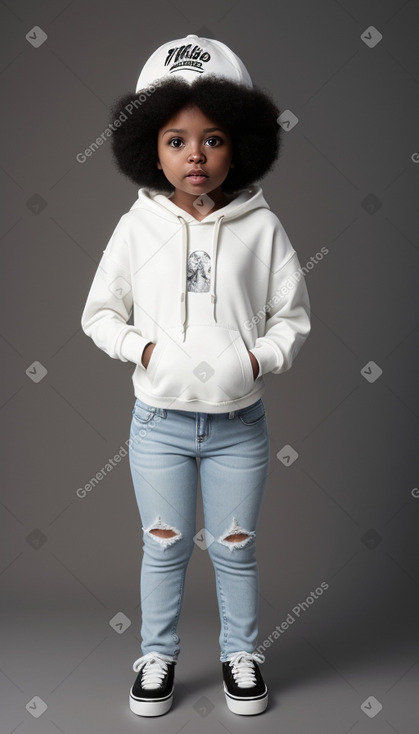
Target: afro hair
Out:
[249,114]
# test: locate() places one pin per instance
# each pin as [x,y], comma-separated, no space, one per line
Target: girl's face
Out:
[195,155]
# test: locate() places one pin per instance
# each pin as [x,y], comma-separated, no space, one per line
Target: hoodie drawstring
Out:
[183,266]
[214,263]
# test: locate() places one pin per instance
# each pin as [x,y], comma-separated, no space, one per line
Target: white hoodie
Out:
[205,292]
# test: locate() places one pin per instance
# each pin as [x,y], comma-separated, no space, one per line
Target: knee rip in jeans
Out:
[237,537]
[163,533]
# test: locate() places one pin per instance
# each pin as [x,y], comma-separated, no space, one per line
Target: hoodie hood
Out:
[246,201]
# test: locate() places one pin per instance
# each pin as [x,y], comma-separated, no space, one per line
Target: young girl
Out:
[218,301]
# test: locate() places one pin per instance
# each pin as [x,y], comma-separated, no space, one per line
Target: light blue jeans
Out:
[234,457]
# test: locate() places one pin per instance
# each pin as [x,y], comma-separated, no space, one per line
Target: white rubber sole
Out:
[246,708]
[150,708]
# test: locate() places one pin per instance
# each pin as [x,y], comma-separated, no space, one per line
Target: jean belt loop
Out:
[231,414]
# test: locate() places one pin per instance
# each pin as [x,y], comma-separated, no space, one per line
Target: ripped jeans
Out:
[234,456]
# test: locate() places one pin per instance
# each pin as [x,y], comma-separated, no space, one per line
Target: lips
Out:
[197,177]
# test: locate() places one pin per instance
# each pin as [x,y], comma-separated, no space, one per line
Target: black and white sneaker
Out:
[244,687]
[152,692]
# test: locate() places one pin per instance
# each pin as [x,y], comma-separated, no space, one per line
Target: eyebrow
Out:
[181,130]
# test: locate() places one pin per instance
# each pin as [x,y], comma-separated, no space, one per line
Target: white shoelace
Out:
[154,667]
[243,669]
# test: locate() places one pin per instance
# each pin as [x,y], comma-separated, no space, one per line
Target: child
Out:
[218,301]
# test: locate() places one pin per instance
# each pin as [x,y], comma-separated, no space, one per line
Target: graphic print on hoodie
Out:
[199,272]
[204,292]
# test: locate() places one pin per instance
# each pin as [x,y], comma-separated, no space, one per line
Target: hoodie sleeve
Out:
[287,310]
[110,302]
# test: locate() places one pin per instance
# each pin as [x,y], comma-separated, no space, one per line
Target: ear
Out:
[159,165]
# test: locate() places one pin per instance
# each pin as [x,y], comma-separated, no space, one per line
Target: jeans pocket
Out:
[253,414]
[142,412]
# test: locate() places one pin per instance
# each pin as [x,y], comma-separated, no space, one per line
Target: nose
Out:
[196,154]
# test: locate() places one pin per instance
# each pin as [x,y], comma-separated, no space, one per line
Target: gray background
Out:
[345,512]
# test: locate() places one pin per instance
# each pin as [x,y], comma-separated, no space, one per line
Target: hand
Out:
[148,351]
[255,364]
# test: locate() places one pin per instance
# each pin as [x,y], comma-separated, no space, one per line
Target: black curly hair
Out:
[249,114]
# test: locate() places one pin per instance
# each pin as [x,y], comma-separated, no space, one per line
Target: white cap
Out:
[190,58]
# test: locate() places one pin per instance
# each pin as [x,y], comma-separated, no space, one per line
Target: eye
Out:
[214,140]
[175,142]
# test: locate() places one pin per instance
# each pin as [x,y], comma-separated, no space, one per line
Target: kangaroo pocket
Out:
[212,364]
